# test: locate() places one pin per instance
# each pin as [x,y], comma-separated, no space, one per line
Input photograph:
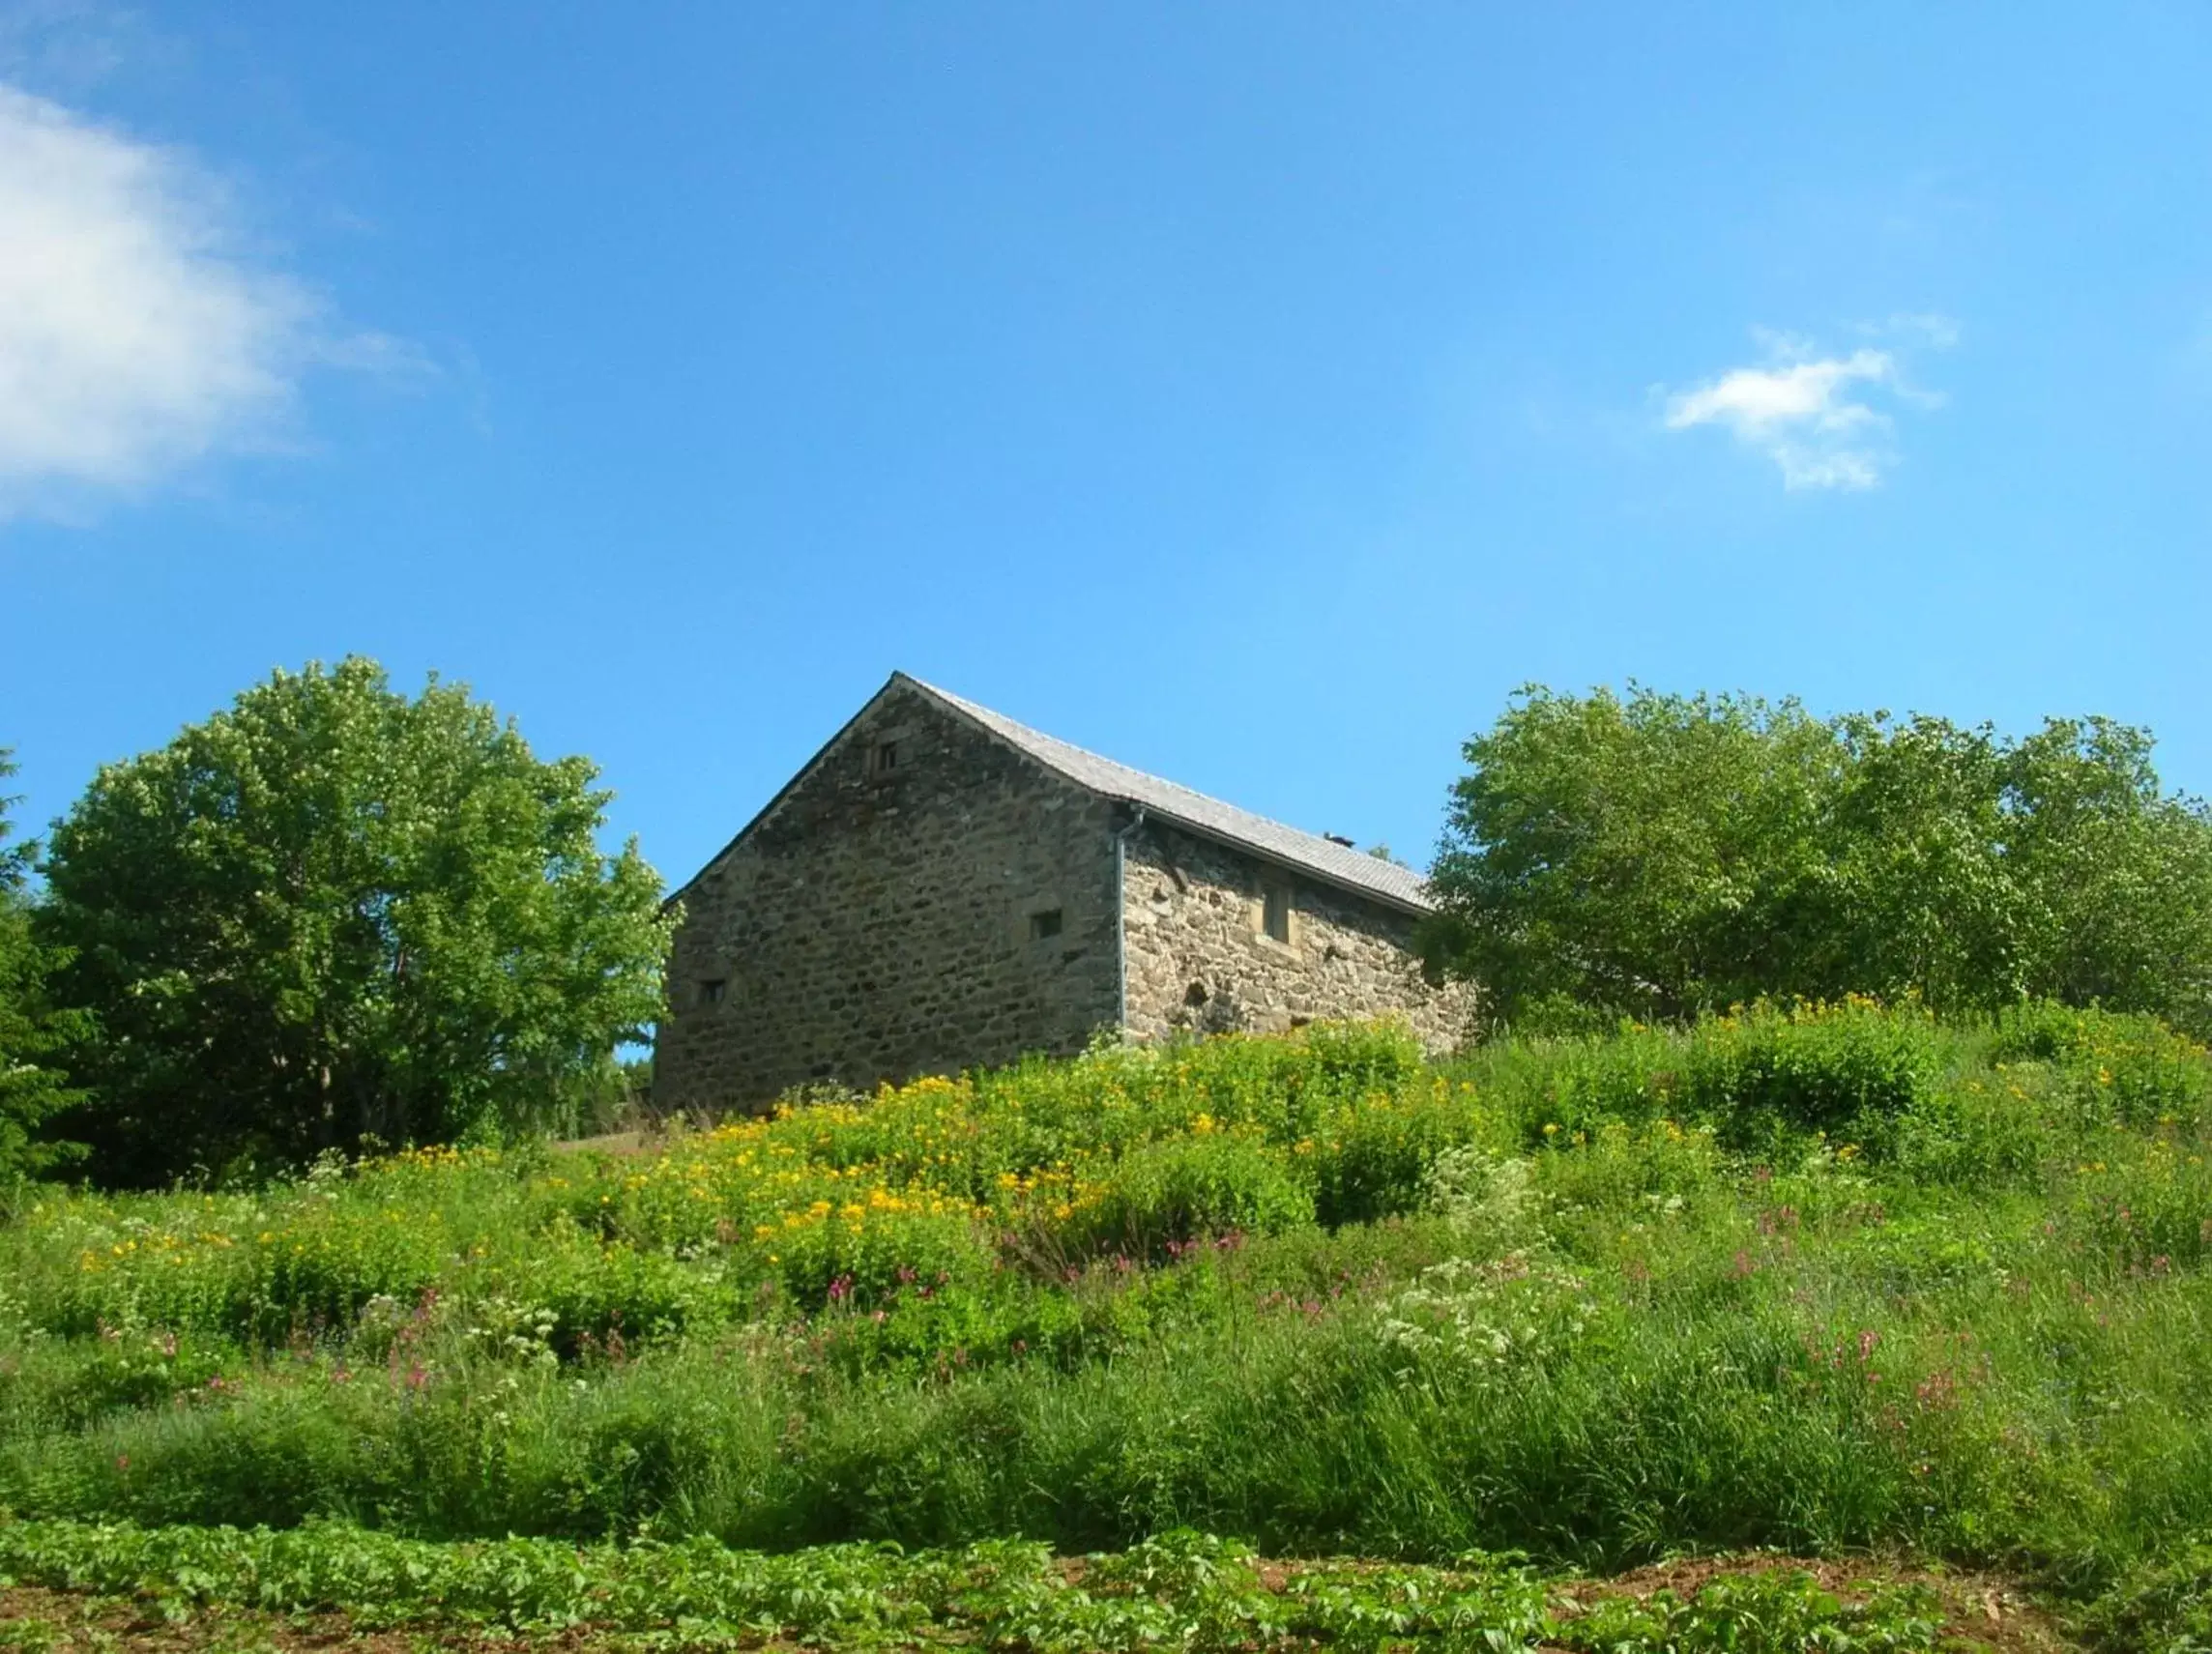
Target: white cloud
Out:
[1815,415]
[136,334]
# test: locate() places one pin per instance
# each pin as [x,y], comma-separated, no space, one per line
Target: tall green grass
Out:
[1827,1278]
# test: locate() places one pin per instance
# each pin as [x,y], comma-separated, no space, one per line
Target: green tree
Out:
[33,1034]
[1634,856]
[1659,856]
[2116,875]
[1920,896]
[332,914]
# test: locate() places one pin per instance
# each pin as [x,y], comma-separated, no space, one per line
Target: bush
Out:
[1844,1071]
[1168,1193]
[1758,1077]
[846,1254]
[1979,1131]
[2129,1069]
[1621,1168]
[1370,1159]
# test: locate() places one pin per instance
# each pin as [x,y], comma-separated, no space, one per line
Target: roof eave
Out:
[1261,853]
[1214,834]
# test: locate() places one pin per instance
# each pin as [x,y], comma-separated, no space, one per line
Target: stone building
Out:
[940,888]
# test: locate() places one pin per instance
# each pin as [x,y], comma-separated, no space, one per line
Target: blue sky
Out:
[1257,394]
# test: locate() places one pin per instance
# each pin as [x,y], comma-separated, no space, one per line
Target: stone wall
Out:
[1199,957]
[890,916]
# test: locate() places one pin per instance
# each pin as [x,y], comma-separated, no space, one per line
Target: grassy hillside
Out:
[1835,1280]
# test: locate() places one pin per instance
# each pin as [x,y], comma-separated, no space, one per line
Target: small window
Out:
[1044,924]
[1275,912]
[883,757]
[713,989]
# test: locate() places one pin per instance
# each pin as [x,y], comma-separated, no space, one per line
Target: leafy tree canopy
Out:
[332,912]
[1658,855]
[33,1034]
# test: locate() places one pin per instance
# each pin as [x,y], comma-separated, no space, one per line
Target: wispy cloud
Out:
[138,335]
[64,46]
[1816,416]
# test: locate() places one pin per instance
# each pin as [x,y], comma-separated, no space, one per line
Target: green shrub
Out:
[839,1261]
[1661,1168]
[1371,1158]
[1845,1070]
[1980,1129]
[593,1292]
[1757,1077]
[2129,1069]
[1544,1089]
[1165,1194]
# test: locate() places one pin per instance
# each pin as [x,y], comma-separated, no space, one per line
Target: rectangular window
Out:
[1044,924]
[883,758]
[1275,912]
[712,990]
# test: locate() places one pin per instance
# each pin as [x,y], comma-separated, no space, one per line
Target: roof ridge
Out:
[1314,852]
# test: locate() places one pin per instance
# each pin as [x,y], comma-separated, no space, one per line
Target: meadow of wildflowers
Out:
[1832,1279]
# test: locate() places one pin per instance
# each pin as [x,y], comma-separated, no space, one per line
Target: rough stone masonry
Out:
[941,888]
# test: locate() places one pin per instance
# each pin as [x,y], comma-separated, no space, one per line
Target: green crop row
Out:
[1180,1592]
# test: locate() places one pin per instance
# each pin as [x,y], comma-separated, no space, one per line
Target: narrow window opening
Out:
[712,990]
[1275,912]
[883,757]
[1044,923]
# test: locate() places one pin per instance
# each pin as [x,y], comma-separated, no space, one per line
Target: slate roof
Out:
[1310,852]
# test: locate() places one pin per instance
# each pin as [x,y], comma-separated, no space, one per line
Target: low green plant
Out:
[1180,1590]
[1778,1611]
[2159,1608]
